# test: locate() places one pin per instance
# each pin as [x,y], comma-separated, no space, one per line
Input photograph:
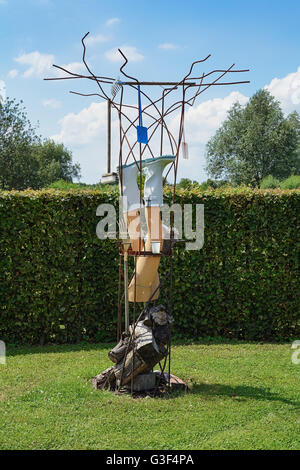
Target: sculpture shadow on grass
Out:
[240,393]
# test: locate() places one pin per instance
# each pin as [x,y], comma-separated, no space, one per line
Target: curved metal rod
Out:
[179,102]
[199,88]
[218,71]
[214,82]
[160,119]
[179,140]
[156,121]
[77,75]
[120,136]
[89,70]
[143,93]
[132,147]
[159,113]
[86,94]
[153,132]
[130,106]
[87,67]
[72,78]
[153,103]
[170,89]
[170,168]
[201,91]
[125,63]
[193,64]
[103,92]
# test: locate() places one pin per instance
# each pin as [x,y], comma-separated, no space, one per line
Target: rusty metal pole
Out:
[126,245]
[108,136]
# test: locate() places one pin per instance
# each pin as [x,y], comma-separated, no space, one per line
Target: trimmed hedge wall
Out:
[59,282]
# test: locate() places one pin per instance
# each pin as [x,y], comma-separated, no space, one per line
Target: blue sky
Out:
[161,38]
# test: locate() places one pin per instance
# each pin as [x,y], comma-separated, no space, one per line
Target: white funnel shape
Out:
[128,182]
[153,188]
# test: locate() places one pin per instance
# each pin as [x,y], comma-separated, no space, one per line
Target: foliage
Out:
[18,167]
[242,396]
[64,185]
[255,141]
[269,182]
[54,163]
[186,183]
[59,282]
[213,184]
[25,160]
[293,182]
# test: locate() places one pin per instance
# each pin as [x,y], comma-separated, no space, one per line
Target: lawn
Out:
[243,396]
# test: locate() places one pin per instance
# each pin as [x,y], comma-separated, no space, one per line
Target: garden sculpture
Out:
[145,152]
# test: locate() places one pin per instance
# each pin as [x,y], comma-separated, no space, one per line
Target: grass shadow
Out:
[240,391]
[13,350]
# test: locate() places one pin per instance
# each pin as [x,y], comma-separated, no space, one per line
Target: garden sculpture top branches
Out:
[156,110]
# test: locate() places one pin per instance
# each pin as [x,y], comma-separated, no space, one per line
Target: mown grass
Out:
[243,396]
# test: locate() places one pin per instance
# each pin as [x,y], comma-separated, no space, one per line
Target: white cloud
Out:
[2,90]
[75,67]
[13,73]
[85,134]
[41,64]
[131,53]
[202,121]
[38,63]
[51,103]
[286,90]
[168,46]
[98,38]
[83,127]
[112,21]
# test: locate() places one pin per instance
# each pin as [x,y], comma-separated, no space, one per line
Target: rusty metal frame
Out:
[187,83]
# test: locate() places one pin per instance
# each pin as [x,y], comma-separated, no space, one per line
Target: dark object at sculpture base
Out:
[137,352]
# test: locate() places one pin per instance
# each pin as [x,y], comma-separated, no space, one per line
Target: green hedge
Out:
[59,282]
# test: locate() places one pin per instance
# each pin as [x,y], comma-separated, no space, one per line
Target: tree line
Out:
[26,160]
[255,141]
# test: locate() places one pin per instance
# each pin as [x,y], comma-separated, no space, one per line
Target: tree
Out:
[295,121]
[186,183]
[25,160]
[17,136]
[255,141]
[54,163]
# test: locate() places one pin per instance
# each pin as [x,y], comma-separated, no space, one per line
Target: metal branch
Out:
[122,66]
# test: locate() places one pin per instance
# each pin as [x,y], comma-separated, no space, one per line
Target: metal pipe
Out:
[155,83]
[108,136]
[126,292]
[126,245]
